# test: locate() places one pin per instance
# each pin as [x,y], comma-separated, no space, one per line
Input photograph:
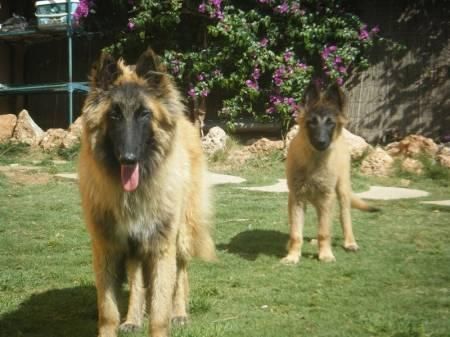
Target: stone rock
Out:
[377,163]
[413,145]
[239,157]
[70,140]
[215,140]
[53,139]
[27,131]
[289,137]
[76,127]
[443,159]
[444,150]
[357,145]
[412,165]
[291,134]
[263,145]
[7,124]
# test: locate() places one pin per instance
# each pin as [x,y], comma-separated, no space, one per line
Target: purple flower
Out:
[264,41]
[275,99]
[342,69]
[375,30]
[191,92]
[252,84]
[202,7]
[264,1]
[131,25]
[287,56]
[175,65]
[270,110]
[301,65]
[282,9]
[219,15]
[337,60]
[82,10]
[204,92]
[200,77]
[256,73]
[327,51]
[363,33]
[278,75]
[340,81]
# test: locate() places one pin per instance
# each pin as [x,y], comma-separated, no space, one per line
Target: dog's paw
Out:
[180,320]
[129,327]
[351,247]
[327,257]
[290,259]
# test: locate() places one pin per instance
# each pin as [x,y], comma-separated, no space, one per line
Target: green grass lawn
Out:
[397,285]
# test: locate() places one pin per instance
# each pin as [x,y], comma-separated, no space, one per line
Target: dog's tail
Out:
[362,205]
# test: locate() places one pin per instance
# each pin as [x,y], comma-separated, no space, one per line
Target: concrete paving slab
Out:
[437,202]
[374,193]
[391,193]
[279,187]
[67,176]
[219,179]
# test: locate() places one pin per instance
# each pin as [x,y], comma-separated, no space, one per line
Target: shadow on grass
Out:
[252,243]
[70,312]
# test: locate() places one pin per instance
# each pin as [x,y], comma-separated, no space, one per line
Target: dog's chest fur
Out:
[142,221]
[315,179]
[312,174]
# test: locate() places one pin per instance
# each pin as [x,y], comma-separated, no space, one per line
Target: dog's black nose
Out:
[321,145]
[128,158]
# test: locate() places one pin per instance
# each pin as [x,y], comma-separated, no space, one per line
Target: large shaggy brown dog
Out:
[144,195]
[318,169]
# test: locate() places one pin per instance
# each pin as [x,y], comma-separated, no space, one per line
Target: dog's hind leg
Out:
[296,212]
[137,296]
[324,207]
[180,299]
[343,191]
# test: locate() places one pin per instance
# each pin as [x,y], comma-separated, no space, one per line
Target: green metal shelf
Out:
[47,87]
[34,35]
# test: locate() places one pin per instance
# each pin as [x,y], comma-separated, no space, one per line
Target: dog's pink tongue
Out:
[130,177]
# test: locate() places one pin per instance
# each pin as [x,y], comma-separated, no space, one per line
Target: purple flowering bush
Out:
[258,56]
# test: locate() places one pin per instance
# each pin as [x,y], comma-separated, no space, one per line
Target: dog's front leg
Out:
[324,207]
[296,213]
[106,265]
[137,296]
[164,269]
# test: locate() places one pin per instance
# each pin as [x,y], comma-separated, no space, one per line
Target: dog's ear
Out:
[104,72]
[312,94]
[150,68]
[336,96]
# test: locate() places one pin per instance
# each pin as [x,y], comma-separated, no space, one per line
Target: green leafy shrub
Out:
[257,56]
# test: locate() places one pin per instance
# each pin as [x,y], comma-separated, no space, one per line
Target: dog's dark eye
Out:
[144,113]
[115,114]
[329,122]
[313,121]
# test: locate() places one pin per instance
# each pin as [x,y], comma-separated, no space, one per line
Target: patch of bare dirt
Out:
[25,175]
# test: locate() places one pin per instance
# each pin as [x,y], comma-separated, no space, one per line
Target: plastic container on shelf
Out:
[52,14]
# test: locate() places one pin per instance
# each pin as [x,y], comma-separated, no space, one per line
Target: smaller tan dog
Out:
[318,169]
